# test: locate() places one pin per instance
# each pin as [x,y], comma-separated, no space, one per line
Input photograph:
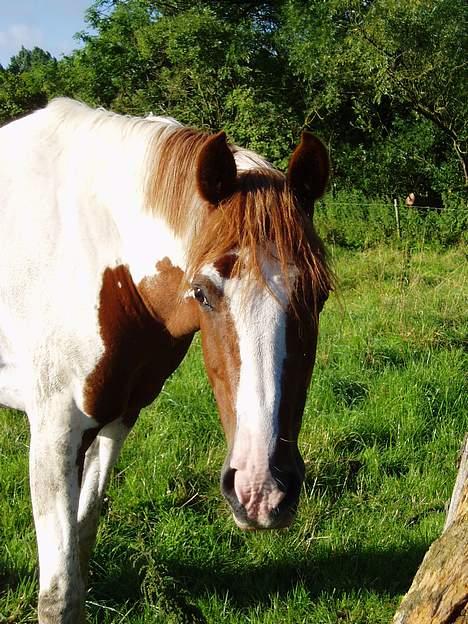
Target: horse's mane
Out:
[171,191]
[261,214]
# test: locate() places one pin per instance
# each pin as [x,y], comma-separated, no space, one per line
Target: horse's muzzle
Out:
[267,503]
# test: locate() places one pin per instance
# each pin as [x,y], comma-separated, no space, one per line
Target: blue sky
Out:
[49,24]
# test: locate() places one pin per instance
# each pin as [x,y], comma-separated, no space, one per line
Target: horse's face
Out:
[259,347]
[259,355]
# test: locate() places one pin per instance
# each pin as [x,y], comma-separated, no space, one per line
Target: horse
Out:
[121,237]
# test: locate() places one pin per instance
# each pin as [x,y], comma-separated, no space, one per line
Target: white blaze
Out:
[260,322]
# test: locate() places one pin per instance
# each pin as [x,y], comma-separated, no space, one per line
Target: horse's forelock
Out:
[260,218]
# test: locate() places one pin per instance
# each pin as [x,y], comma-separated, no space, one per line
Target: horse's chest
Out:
[139,354]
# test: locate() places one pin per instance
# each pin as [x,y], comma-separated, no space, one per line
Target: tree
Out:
[209,64]
[383,82]
[439,592]
[415,52]
[25,60]
[375,68]
[27,83]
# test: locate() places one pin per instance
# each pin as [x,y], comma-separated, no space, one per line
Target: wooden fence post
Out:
[439,592]
[397,217]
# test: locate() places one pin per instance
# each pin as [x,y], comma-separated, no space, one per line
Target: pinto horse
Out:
[121,237]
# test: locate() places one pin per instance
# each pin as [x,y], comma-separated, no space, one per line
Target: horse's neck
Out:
[117,156]
[114,159]
[146,241]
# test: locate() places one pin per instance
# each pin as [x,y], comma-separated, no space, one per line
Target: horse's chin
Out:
[253,525]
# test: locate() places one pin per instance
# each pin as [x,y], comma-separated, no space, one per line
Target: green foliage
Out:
[26,60]
[27,83]
[208,65]
[373,65]
[353,221]
[383,83]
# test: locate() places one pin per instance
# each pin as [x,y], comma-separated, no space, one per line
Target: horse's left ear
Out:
[216,170]
[308,171]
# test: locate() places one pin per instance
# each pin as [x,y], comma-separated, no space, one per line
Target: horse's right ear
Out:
[308,171]
[216,170]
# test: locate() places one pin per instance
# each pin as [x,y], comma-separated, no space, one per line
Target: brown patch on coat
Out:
[139,351]
[225,265]
[301,345]
[163,296]
[221,354]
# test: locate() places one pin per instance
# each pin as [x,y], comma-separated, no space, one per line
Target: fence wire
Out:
[362,224]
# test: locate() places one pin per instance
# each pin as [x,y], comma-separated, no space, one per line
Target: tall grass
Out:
[353,221]
[382,426]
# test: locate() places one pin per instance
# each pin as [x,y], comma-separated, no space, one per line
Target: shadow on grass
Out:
[387,573]
[11,579]
[176,584]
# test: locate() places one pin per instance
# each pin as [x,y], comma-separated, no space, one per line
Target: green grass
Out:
[383,423]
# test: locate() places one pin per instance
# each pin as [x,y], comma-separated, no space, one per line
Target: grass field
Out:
[383,423]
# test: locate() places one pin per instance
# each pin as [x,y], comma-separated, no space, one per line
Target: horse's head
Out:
[258,275]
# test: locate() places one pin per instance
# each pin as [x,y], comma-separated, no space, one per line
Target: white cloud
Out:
[17,35]
[49,24]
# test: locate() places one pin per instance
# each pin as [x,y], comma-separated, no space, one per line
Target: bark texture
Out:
[439,592]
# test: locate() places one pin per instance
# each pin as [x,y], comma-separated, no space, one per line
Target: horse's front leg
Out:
[56,437]
[98,462]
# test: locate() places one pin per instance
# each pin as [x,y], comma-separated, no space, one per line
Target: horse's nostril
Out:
[227,483]
[290,483]
[229,491]
[283,480]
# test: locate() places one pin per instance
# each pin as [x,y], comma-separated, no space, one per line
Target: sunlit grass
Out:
[382,426]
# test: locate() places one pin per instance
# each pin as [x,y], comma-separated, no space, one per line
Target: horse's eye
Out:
[200,296]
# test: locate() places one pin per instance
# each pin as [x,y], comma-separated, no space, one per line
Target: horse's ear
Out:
[216,170]
[308,171]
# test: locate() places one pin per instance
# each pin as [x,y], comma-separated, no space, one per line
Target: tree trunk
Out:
[439,593]
[461,155]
